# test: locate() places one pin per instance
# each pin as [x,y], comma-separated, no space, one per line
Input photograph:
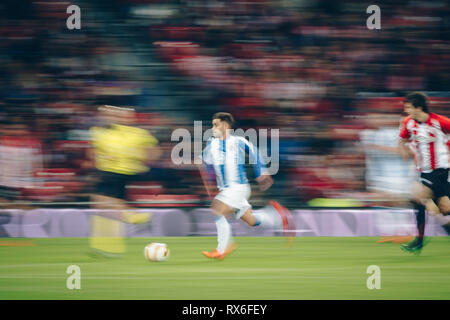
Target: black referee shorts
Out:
[437,181]
[112,184]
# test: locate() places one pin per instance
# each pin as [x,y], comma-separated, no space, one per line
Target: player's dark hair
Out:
[224,116]
[418,99]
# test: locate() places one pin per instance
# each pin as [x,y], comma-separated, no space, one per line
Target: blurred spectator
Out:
[20,159]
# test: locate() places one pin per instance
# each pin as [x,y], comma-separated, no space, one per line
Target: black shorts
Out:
[112,184]
[437,181]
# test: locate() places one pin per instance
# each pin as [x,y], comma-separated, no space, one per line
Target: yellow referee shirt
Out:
[121,149]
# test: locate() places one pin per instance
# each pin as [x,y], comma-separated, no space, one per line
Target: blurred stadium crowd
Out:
[309,68]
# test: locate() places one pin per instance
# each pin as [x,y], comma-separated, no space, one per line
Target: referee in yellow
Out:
[122,153]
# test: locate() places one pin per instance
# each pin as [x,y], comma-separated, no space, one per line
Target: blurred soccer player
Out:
[121,153]
[224,155]
[20,158]
[387,174]
[427,134]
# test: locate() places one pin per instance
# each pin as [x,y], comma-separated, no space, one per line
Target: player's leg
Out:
[423,201]
[421,196]
[226,203]
[443,218]
[444,203]
[225,243]
[221,213]
[266,218]
[273,216]
[443,192]
[107,229]
[117,209]
[250,219]
[107,206]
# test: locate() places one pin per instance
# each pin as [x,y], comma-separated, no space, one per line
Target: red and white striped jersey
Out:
[429,141]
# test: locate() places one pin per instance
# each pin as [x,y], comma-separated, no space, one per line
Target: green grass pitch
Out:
[260,269]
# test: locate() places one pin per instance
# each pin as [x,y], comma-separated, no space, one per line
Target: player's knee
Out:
[431,207]
[421,195]
[219,211]
[416,202]
[444,208]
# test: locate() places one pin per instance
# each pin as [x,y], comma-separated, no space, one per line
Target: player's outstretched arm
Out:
[404,150]
[206,170]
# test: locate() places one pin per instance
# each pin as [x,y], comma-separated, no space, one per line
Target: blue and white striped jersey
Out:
[228,159]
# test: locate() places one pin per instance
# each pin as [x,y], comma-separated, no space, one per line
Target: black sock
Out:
[419,210]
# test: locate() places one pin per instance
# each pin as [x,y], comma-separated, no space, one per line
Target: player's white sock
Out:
[224,237]
[268,218]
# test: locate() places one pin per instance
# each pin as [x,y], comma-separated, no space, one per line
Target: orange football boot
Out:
[220,256]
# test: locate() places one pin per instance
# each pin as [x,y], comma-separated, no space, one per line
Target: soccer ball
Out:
[156,252]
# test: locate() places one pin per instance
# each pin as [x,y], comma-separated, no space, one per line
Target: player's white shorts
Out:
[236,196]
